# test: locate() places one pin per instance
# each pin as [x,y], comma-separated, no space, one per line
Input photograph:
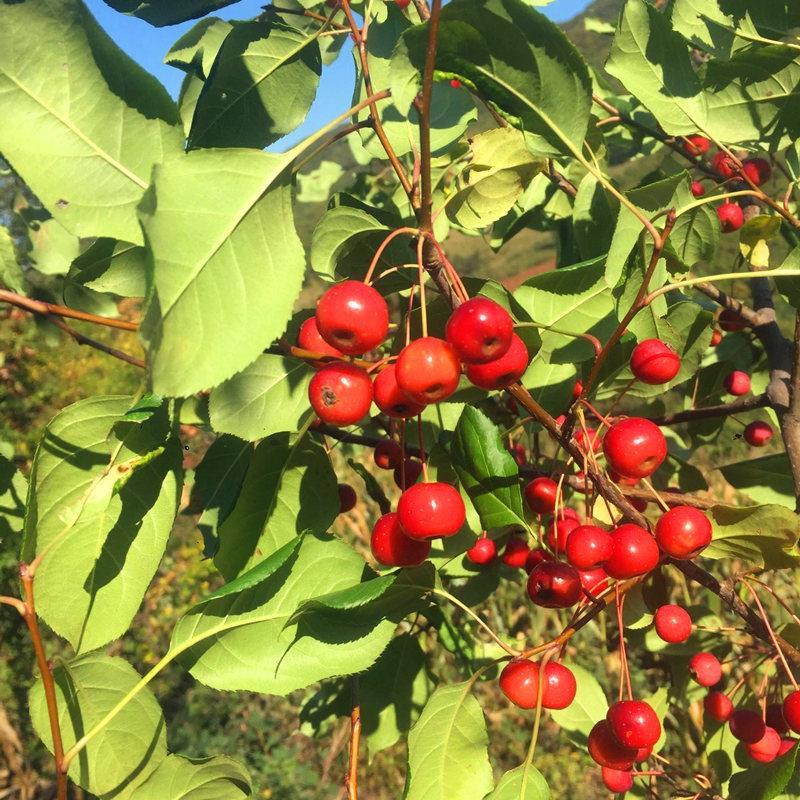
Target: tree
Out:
[582,424]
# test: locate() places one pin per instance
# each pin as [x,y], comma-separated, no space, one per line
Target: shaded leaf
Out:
[182,778]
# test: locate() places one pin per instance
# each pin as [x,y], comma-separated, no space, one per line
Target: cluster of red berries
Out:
[754,171]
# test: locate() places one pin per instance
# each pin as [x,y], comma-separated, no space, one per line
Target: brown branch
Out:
[304,12]
[731,303]
[14,603]
[424,111]
[47,679]
[42,308]
[721,410]
[566,185]
[790,418]
[351,782]
[422,9]
[79,338]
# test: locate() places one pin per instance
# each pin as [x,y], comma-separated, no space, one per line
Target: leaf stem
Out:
[46,309]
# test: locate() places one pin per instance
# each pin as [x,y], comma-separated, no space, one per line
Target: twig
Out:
[44,309]
[79,338]
[351,783]
[790,419]
[721,410]
[424,111]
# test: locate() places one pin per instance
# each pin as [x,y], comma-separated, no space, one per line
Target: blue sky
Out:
[148,45]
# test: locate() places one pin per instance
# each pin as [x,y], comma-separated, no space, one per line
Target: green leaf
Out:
[262,84]
[593,218]
[696,236]
[516,58]
[269,396]
[290,487]
[167,12]
[447,748]
[100,153]
[315,185]
[521,783]
[228,265]
[128,748]
[500,169]
[108,265]
[487,471]
[182,778]
[589,706]
[767,479]
[753,238]
[53,248]
[790,287]
[10,270]
[13,488]
[103,544]
[243,636]
[196,50]
[760,536]
[764,781]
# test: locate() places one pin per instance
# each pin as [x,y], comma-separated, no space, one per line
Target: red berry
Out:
[402,4]
[483,551]
[747,726]
[639,503]
[774,718]
[502,371]
[731,217]
[594,580]
[431,510]
[757,169]
[738,383]
[758,433]
[617,781]
[480,330]
[309,338]
[791,710]
[724,165]
[635,447]
[428,370]
[519,682]
[589,438]
[634,723]
[540,495]
[413,469]
[696,145]
[347,498]
[392,548]
[730,321]
[673,624]
[718,706]
[697,188]
[766,749]
[535,557]
[705,669]
[787,744]
[388,454]
[569,513]
[516,552]
[654,362]
[716,338]
[517,451]
[352,317]
[683,532]
[554,585]
[340,394]
[454,82]
[588,546]
[390,398]
[558,533]
[634,552]
[606,751]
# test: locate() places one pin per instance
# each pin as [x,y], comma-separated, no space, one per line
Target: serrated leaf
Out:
[167,12]
[128,748]
[103,545]
[487,471]
[182,778]
[589,706]
[100,154]
[195,51]
[447,748]
[764,781]
[521,783]
[13,488]
[242,637]
[593,218]
[766,480]
[290,487]
[10,270]
[108,265]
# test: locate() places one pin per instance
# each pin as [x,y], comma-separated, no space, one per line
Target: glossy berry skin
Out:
[606,751]
[757,169]
[718,706]
[594,580]
[392,548]
[617,781]
[431,510]
[411,470]
[309,338]
[340,394]
[558,533]
[634,552]
[634,447]
[519,682]
[588,546]
[502,371]
[724,165]
[683,532]
[774,718]
[352,317]
[589,438]
[716,338]
[791,710]
[787,743]
[483,551]
[516,552]
[387,454]
[480,330]
[697,189]
[535,557]
[634,723]
[402,4]
[390,398]
[347,498]
[731,217]
[673,624]
[758,433]
[737,383]
[747,726]
[696,145]
[540,495]
[428,370]
[705,669]
[654,362]
[552,584]
[730,321]
[454,82]
[766,749]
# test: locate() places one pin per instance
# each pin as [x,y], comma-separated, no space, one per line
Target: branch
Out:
[566,185]
[103,348]
[721,410]
[44,309]
[351,782]
[790,419]
[424,110]
[728,302]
